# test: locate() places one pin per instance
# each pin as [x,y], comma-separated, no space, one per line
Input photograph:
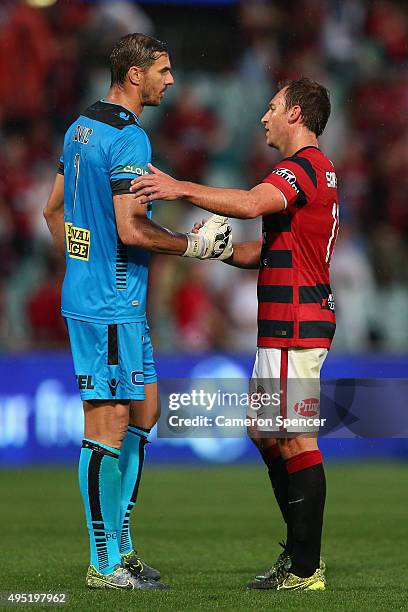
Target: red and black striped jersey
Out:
[295,301]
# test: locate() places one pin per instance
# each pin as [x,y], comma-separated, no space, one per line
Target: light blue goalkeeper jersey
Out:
[105,281]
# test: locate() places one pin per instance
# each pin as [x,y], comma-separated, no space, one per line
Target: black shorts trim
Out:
[113,348]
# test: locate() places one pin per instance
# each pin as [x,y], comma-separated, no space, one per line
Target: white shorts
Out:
[285,390]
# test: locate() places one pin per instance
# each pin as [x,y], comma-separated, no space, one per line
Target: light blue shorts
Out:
[111,362]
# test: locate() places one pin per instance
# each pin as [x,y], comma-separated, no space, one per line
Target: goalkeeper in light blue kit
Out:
[106,236]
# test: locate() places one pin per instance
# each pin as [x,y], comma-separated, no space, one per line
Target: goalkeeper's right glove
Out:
[212,241]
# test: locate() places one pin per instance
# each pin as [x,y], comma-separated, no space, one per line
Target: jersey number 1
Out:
[77,162]
[334,232]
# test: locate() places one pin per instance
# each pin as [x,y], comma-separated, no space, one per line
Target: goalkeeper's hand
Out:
[212,241]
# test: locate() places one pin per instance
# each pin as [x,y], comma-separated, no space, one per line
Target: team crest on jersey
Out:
[78,241]
[288,176]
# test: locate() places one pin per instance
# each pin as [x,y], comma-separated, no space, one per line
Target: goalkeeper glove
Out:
[212,241]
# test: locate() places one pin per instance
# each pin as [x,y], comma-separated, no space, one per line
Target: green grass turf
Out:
[209,530]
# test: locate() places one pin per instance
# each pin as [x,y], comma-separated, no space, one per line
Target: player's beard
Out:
[150,96]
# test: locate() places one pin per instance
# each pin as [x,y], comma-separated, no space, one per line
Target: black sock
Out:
[278,476]
[306,497]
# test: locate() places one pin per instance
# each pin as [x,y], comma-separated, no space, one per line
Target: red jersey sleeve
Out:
[296,178]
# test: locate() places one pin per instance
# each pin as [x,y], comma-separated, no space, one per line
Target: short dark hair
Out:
[313,99]
[134,50]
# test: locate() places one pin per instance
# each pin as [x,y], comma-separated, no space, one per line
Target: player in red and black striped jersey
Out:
[298,204]
[296,307]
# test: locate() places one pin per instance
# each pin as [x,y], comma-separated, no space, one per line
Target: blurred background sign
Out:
[41,417]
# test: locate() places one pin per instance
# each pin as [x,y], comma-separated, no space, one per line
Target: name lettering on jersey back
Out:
[331,179]
[288,176]
[82,134]
[78,241]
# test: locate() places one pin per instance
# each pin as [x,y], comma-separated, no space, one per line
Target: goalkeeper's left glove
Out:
[212,241]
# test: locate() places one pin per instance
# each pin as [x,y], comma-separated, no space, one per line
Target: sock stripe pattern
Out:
[99,479]
[95,508]
[304,460]
[125,540]
[133,499]
[131,465]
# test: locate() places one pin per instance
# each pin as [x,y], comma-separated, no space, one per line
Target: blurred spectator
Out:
[8,255]
[389,254]
[123,14]
[46,326]
[261,23]
[198,317]
[353,286]
[343,31]
[354,183]
[27,56]
[240,299]
[187,136]
[17,181]
[261,159]
[387,24]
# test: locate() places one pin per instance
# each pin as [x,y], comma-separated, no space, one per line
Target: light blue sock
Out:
[130,464]
[100,482]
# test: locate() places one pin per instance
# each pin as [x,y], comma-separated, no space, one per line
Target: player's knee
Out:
[263,443]
[120,426]
[115,437]
[106,423]
[120,434]
[290,447]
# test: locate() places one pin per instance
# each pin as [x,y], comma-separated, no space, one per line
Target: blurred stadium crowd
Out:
[227,63]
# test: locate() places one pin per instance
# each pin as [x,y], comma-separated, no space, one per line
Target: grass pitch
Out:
[209,530]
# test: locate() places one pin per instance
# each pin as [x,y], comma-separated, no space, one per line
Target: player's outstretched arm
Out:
[54,213]
[263,199]
[246,255]
[212,241]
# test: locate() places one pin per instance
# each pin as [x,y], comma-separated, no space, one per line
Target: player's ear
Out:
[294,114]
[135,75]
